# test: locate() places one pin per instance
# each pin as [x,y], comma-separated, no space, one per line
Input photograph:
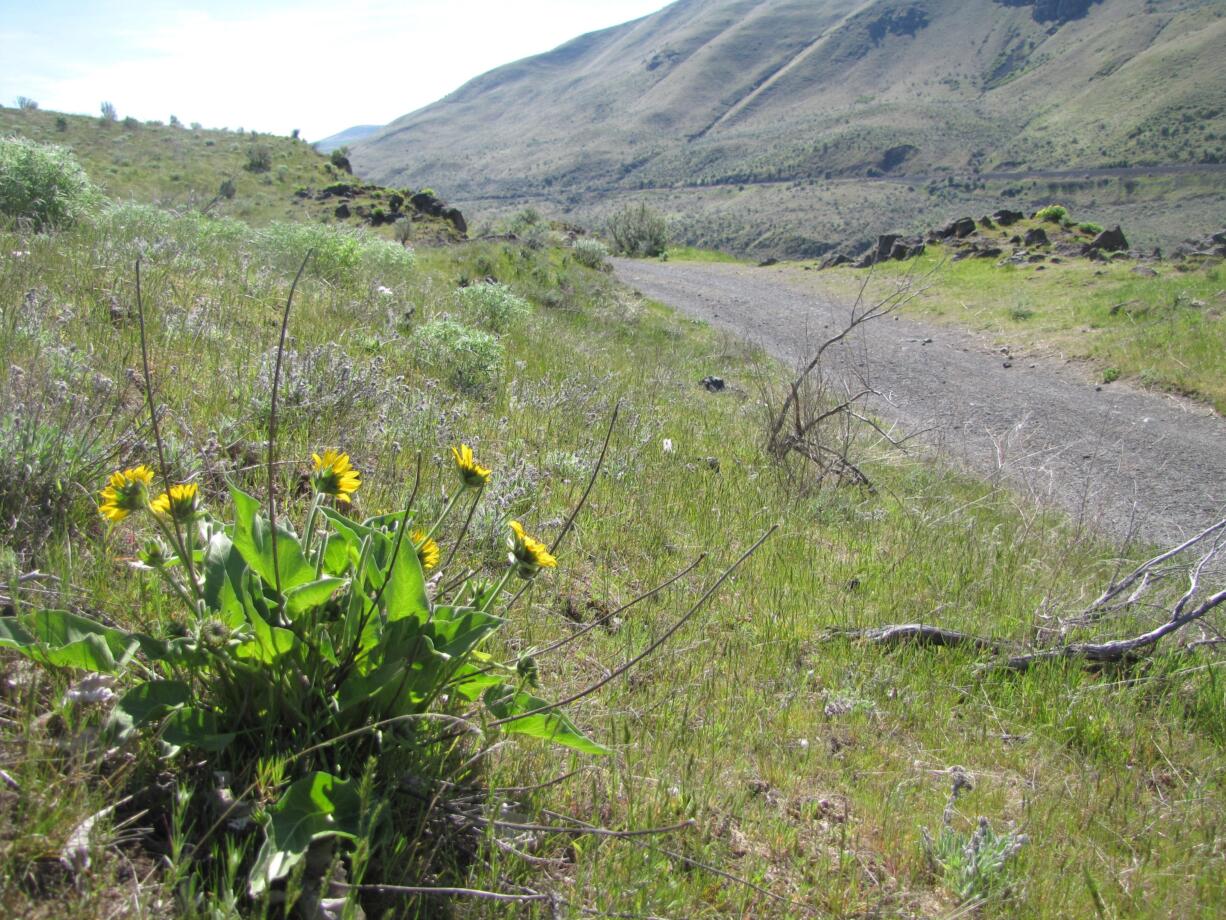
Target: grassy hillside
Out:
[801,771]
[838,94]
[273,178]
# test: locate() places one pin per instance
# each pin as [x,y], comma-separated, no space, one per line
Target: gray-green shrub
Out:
[494,306]
[638,230]
[591,252]
[43,183]
[468,359]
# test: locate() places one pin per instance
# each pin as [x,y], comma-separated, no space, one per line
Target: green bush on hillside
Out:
[591,252]
[495,306]
[43,184]
[468,359]
[638,230]
[1055,213]
[337,252]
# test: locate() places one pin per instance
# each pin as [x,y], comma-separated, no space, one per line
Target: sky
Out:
[273,65]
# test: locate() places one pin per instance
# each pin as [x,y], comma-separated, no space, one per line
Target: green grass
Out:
[1166,332]
[697,254]
[807,765]
[184,168]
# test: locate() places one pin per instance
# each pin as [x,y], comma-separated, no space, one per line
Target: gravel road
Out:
[1115,456]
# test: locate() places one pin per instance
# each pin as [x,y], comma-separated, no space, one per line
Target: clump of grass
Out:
[468,359]
[493,305]
[43,184]
[1090,228]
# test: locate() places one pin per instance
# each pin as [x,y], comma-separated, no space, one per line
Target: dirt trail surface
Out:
[1114,456]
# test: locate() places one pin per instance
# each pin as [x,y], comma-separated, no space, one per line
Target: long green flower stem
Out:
[309,533]
[442,517]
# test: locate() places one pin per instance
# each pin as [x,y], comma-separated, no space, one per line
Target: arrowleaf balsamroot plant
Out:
[328,653]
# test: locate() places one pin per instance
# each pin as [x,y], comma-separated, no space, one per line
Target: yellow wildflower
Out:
[335,475]
[180,504]
[528,556]
[427,550]
[126,491]
[472,474]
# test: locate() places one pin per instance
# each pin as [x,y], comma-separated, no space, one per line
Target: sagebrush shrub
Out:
[591,252]
[259,158]
[337,252]
[1055,213]
[384,259]
[468,359]
[43,183]
[494,306]
[637,230]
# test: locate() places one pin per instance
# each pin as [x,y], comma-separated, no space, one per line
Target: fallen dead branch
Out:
[1127,596]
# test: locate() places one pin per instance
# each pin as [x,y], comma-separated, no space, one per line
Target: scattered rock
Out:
[1112,240]
[713,384]
[767,263]
[338,190]
[835,258]
[1144,270]
[1007,218]
[342,211]
[1036,236]
[960,228]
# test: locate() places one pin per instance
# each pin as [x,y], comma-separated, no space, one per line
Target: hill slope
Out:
[267,177]
[715,92]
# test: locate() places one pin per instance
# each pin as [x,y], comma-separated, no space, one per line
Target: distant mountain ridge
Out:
[343,138]
[716,92]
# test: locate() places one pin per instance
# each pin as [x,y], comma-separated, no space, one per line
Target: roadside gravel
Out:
[1119,458]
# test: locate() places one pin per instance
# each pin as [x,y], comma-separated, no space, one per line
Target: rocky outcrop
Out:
[379,206]
[436,207]
[1032,241]
[1210,247]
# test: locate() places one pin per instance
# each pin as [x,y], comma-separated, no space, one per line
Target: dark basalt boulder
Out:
[960,228]
[1035,236]
[1112,240]
[885,244]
